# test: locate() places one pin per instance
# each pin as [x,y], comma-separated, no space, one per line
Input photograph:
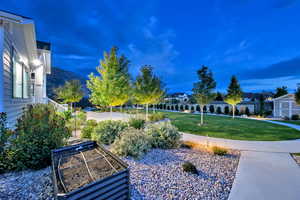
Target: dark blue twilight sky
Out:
[257,40]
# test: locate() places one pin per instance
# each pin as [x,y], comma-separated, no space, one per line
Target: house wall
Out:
[12,106]
[1,67]
[286,107]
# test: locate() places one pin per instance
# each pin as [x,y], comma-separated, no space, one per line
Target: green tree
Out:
[280,91]
[219,97]
[234,94]
[297,95]
[112,86]
[148,88]
[204,89]
[261,104]
[71,92]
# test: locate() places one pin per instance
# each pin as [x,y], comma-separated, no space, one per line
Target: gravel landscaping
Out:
[26,185]
[158,175]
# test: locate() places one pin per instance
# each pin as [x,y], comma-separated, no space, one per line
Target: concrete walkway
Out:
[264,176]
[284,124]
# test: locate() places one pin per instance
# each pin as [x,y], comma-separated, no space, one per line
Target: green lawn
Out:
[226,127]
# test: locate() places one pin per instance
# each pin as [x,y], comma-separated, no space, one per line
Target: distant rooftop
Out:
[15,14]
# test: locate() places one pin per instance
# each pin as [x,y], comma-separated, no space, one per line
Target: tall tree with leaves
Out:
[234,94]
[204,89]
[297,95]
[71,92]
[112,86]
[280,91]
[148,88]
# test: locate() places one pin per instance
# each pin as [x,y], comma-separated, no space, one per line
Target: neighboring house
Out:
[177,97]
[24,63]
[285,106]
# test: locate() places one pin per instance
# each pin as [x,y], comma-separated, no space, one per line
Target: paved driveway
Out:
[101,116]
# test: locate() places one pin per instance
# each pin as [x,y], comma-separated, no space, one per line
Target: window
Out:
[20,78]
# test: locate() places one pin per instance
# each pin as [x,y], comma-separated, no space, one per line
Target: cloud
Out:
[155,48]
[270,83]
[285,68]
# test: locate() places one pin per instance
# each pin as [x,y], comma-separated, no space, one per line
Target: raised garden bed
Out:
[88,171]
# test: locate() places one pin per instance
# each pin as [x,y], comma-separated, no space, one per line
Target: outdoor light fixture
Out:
[36,62]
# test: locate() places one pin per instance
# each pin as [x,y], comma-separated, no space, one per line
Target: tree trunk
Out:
[153,108]
[233,111]
[201,110]
[147,112]
[110,112]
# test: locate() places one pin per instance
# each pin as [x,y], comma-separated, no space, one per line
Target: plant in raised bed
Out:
[189,167]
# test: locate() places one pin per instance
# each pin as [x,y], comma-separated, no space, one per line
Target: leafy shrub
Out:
[132,142]
[219,111]
[65,114]
[88,129]
[219,150]
[247,111]
[163,135]
[157,117]
[106,131]
[137,123]
[189,167]
[226,110]
[4,135]
[211,109]
[295,117]
[38,131]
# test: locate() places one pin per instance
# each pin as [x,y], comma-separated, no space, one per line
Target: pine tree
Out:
[112,86]
[280,91]
[71,92]
[204,89]
[234,94]
[148,88]
[297,96]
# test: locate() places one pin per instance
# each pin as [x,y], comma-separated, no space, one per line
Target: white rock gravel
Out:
[25,185]
[158,175]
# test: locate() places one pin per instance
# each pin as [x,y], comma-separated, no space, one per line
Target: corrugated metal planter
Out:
[88,171]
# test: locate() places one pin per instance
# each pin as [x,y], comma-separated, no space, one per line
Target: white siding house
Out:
[24,63]
[285,106]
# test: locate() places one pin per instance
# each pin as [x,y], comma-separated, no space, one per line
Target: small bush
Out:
[286,118]
[189,167]
[136,123]
[88,129]
[163,135]
[219,151]
[157,117]
[106,131]
[132,142]
[219,110]
[247,111]
[38,131]
[226,110]
[295,117]
[211,109]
